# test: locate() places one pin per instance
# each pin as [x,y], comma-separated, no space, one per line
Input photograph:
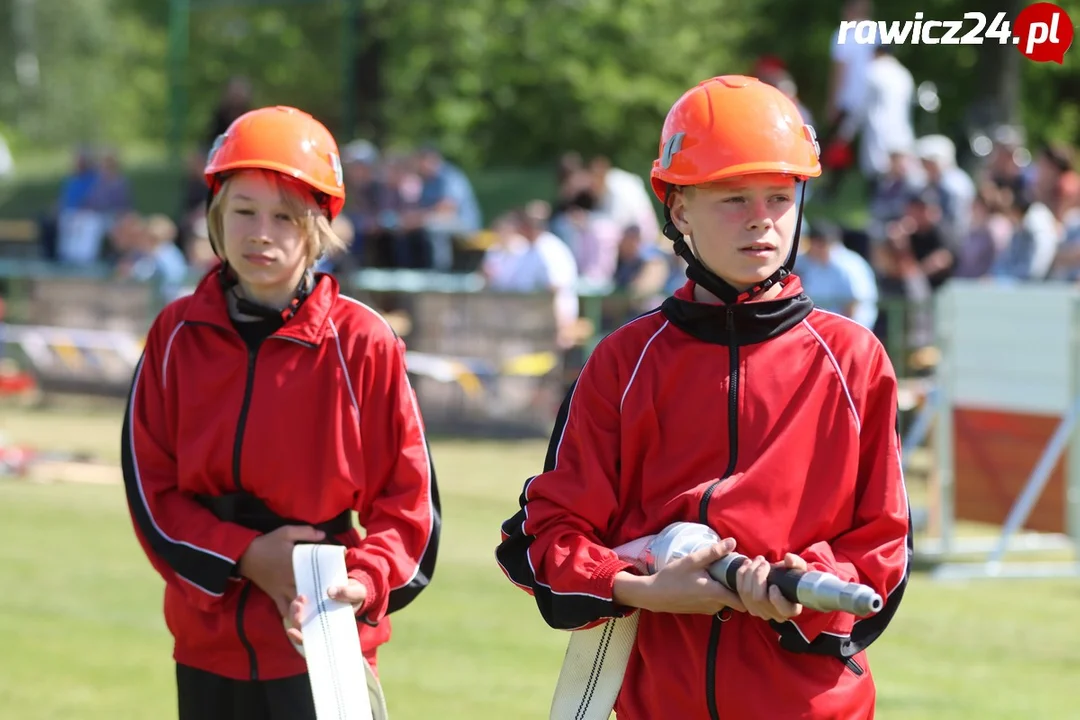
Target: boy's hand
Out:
[267,562]
[353,593]
[761,599]
[682,587]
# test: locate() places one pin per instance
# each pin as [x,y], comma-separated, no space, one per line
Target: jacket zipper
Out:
[237,444]
[703,508]
[241,423]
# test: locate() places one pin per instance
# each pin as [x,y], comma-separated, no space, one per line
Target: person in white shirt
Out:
[502,255]
[1031,251]
[7,162]
[623,196]
[543,263]
[886,117]
[954,185]
[845,108]
[850,61]
[835,277]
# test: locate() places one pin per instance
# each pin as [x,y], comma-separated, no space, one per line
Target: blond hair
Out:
[307,215]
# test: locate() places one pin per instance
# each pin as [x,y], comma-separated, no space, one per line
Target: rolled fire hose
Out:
[335,660]
[595,662]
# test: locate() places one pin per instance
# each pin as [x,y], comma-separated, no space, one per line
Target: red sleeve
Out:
[553,548]
[187,545]
[876,551]
[399,507]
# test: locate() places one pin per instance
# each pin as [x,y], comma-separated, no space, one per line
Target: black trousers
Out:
[205,696]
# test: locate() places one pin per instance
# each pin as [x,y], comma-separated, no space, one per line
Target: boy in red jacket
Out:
[266,409]
[737,405]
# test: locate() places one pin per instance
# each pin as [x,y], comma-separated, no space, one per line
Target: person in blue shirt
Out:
[150,254]
[447,207]
[835,277]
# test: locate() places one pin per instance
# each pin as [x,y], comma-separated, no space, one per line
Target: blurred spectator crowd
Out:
[404,211]
[1007,214]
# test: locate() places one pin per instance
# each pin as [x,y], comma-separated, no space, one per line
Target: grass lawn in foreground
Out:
[83,635]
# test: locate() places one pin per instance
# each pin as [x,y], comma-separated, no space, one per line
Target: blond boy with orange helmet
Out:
[738,405]
[266,409]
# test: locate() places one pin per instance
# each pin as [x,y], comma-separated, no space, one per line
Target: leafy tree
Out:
[494,82]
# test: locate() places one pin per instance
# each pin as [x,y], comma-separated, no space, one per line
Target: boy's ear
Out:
[679,212]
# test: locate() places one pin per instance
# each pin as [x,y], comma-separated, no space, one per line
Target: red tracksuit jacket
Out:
[319,420]
[772,422]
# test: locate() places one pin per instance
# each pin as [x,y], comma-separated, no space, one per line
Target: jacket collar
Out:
[310,325]
[742,323]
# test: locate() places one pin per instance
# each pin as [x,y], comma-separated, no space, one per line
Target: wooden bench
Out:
[19,238]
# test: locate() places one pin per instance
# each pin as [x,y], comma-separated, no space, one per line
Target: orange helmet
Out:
[733,125]
[285,140]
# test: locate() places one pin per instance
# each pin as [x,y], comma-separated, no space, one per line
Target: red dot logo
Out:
[1043,32]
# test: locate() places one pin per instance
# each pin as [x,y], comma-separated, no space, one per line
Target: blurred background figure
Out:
[641,274]
[989,234]
[773,70]
[846,98]
[623,196]
[150,255]
[446,209]
[236,99]
[530,259]
[836,278]
[7,161]
[953,186]
[364,200]
[884,118]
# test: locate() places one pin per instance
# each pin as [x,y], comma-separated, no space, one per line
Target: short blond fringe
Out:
[318,233]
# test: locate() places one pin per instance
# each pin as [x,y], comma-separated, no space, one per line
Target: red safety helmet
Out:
[733,125]
[285,140]
[725,127]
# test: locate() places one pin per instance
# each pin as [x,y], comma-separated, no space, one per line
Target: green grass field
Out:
[81,635]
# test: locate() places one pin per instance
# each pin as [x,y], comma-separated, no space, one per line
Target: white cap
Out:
[359,151]
[936,148]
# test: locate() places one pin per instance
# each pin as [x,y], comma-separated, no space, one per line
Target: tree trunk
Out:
[367,86]
[998,67]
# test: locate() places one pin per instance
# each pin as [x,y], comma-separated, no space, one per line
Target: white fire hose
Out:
[335,660]
[595,661]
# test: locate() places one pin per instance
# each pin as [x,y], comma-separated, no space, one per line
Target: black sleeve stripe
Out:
[512,555]
[562,611]
[867,631]
[202,568]
[552,456]
[402,596]
[518,573]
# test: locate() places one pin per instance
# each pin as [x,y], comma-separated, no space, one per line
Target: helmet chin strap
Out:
[229,282]
[706,278]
